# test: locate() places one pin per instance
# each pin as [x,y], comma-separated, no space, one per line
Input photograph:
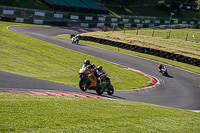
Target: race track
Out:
[181,90]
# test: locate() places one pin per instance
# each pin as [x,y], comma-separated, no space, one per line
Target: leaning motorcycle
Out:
[89,81]
[107,85]
[164,71]
[75,40]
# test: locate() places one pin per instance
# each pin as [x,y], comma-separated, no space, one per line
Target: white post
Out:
[170,18]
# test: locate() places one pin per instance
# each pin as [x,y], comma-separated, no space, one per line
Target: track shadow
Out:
[170,76]
[108,96]
[81,44]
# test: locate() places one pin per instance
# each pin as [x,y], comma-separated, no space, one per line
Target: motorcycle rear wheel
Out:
[165,74]
[100,90]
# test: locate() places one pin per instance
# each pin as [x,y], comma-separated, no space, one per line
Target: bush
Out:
[161,5]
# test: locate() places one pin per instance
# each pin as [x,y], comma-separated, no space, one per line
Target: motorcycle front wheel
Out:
[82,85]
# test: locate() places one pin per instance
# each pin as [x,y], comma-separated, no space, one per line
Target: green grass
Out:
[30,113]
[117,37]
[180,34]
[27,56]
[136,11]
[176,43]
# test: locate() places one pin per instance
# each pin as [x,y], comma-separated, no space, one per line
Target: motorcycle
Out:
[164,71]
[89,81]
[75,40]
[107,85]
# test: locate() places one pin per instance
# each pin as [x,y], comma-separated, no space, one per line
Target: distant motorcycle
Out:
[164,71]
[75,40]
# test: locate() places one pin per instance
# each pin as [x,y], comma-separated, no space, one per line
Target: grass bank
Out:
[27,56]
[176,44]
[30,113]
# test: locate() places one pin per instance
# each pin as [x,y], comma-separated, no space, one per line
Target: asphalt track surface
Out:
[180,90]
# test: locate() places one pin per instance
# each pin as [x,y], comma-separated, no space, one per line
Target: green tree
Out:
[162,6]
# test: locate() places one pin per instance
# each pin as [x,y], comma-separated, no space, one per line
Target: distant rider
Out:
[76,37]
[160,66]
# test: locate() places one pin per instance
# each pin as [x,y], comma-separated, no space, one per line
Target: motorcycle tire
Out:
[83,86]
[111,90]
[100,90]
[166,74]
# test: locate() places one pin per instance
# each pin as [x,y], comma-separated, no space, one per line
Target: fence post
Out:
[137,32]
[169,34]
[186,37]
[14,12]
[153,32]
[24,14]
[124,29]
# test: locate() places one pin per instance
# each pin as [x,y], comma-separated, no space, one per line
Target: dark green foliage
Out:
[153,8]
[162,6]
[33,4]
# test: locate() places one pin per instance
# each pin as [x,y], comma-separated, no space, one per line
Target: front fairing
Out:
[164,69]
[82,70]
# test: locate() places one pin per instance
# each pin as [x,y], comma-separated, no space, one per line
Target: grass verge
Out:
[27,56]
[31,113]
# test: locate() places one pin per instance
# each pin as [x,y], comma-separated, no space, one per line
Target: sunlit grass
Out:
[28,113]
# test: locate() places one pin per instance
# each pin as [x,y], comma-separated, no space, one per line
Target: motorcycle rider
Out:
[102,73]
[162,69]
[92,66]
[160,66]
[87,62]
[76,37]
